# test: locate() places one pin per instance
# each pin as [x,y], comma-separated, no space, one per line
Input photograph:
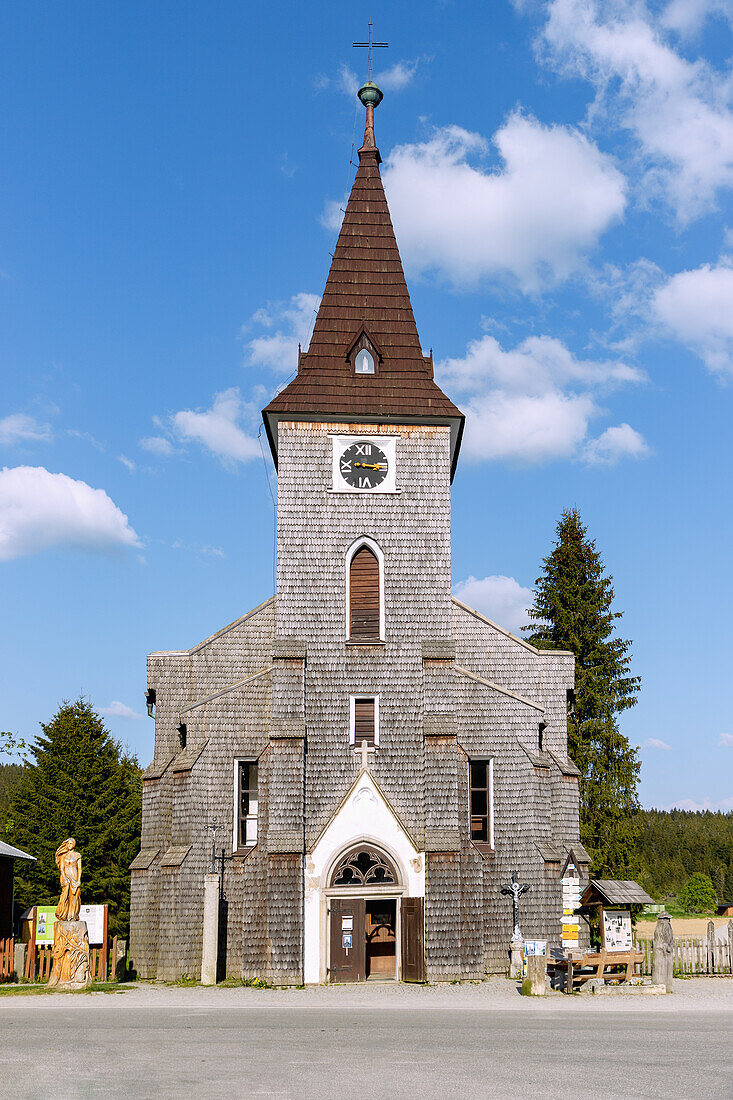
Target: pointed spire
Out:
[366,297]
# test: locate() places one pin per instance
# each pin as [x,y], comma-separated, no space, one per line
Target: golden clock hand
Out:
[370,465]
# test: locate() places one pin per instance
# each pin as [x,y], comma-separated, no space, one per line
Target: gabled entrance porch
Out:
[364,891]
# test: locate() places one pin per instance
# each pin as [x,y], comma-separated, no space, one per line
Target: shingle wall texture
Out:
[274,687]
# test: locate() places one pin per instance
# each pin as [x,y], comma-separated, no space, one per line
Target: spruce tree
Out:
[573,610]
[79,783]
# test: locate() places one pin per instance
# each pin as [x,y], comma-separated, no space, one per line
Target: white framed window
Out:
[364,591]
[246,803]
[363,720]
[364,362]
[481,800]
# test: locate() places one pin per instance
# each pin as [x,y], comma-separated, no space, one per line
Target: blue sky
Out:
[560,180]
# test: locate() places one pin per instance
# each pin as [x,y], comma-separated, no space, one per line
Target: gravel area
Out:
[690,995]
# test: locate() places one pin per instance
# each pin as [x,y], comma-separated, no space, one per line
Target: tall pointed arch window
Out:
[365,599]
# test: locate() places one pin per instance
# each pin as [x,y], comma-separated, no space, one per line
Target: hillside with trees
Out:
[673,845]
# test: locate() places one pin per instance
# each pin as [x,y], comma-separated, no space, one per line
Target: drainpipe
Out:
[302,891]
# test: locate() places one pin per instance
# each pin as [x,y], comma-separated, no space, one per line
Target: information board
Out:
[45,920]
[92,914]
[617,929]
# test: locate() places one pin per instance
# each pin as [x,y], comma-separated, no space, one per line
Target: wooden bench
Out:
[602,965]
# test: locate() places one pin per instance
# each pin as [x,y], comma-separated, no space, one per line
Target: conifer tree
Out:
[573,610]
[79,783]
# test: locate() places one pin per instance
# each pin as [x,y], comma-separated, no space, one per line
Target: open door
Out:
[413,952]
[348,940]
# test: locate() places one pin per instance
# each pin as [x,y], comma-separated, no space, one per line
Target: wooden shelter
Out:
[8,856]
[617,958]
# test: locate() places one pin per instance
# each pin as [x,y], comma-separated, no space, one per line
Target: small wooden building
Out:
[612,899]
[8,856]
[725,909]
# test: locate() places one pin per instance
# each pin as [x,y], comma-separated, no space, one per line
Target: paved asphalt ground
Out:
[368,1042]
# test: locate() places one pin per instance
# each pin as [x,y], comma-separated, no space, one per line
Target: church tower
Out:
[382,757]
[365,444]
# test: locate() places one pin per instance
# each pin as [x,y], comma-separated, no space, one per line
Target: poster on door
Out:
[617,929]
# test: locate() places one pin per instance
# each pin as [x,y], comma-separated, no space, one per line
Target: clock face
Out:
[363,465]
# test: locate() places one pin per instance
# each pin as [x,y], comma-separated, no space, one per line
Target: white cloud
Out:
[116,709]
[397,76]
[533,218]
[655,743]
[40,510]
[127,463]
[157,445]
[697,307]
[219,428]
[19,428]
[532,403]
[726,739]
[678,110]
[688,16]
[394,79]
[621,441]
[501,599]
[292,323]
[723,805]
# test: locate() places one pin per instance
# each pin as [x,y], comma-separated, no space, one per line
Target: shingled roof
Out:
[366,295]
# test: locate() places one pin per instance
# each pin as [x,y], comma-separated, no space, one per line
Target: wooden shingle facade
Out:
[355,701]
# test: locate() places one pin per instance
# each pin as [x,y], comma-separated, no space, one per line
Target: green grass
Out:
[40,989]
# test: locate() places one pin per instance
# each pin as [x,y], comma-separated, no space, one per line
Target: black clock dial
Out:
[363,465]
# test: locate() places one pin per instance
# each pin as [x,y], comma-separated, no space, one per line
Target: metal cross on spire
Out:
[370,45]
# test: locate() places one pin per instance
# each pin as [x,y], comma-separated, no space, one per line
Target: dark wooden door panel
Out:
[412,940]
[348,941]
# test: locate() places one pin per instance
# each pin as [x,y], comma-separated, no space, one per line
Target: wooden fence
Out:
[38,962]
[704,955]
[6,959]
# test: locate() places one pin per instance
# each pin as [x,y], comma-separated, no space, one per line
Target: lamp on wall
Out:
[150,702]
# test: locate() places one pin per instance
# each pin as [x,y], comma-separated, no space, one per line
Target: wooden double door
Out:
[364,939]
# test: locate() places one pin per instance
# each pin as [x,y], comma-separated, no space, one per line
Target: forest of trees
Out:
[672,845]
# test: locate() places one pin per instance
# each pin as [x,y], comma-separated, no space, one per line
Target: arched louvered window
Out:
[364,596]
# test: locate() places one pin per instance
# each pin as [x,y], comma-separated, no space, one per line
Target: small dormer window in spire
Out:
[364,362]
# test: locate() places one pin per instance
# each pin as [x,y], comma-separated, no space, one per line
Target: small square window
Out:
[364,720]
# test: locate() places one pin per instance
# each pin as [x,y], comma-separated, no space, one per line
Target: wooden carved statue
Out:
[70,967]
[68,861]
[663,952]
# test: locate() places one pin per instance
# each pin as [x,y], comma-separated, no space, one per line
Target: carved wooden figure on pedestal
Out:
[70,968]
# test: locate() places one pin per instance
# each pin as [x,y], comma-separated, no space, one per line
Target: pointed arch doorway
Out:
[376,933]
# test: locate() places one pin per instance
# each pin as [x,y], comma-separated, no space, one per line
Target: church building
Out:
[378,757]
